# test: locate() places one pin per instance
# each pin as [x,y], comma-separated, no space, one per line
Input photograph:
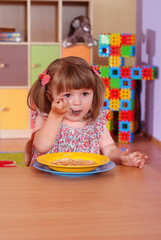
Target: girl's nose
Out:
[76,100]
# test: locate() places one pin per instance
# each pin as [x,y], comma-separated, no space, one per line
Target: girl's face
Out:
[80,101]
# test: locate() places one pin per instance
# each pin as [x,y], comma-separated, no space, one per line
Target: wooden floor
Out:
[141,143]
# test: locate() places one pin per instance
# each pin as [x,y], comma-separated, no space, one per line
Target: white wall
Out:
[149,53]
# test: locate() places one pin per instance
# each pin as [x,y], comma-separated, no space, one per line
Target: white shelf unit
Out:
[43,25]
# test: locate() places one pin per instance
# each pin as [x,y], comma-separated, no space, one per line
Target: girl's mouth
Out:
[75,112]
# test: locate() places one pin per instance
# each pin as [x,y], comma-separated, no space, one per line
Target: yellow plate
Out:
[48,160]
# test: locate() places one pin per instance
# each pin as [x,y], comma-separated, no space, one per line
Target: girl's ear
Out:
[49,96]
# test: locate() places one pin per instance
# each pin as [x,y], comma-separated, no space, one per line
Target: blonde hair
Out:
[66,74]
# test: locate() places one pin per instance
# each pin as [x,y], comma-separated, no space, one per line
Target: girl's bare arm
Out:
[46,135]
[134,159]
[112,152]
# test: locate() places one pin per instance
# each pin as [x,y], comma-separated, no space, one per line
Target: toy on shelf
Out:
[120,81]
[80,31]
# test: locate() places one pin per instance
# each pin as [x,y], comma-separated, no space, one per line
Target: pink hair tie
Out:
[95,71]
[44,77]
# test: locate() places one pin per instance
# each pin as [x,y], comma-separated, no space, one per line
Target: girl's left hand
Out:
[134,159]
[60,105]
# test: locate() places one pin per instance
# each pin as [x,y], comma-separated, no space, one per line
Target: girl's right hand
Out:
[60,105]
[134,159]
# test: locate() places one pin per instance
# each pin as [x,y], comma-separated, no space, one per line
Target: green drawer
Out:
[41,57]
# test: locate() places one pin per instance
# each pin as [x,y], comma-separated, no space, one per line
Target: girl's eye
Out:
[67,95]
[85,93]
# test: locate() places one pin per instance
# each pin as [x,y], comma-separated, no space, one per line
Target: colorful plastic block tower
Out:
[120,81]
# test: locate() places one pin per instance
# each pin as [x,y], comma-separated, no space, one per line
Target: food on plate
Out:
[73,162]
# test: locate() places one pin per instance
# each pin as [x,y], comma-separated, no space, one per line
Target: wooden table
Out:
[122,204]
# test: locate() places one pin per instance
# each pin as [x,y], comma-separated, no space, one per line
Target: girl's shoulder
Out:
[37,113]
[103,114]
[102,117]
[100,121]
[99,124]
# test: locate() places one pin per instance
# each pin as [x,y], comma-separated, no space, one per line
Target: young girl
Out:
[67,100]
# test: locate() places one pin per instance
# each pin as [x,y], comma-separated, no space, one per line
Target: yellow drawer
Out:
[13,109]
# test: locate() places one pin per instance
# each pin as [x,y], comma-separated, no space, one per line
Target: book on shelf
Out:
[10,39]
[5,29]
[10,36]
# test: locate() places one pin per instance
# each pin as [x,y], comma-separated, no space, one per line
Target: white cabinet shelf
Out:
[43,25]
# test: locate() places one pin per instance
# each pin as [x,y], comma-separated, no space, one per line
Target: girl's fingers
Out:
[134,159]
[139,162]
[58,99]
[61,99]
[125,153]
[145,156]
[138,155]
[65,101]
[60,105]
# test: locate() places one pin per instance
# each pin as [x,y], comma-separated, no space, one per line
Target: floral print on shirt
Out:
[70,139]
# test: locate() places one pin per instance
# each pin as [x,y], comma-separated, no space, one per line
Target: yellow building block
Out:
[115,39]
[107,93]
[125,94]
[115,61]
[114,104]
